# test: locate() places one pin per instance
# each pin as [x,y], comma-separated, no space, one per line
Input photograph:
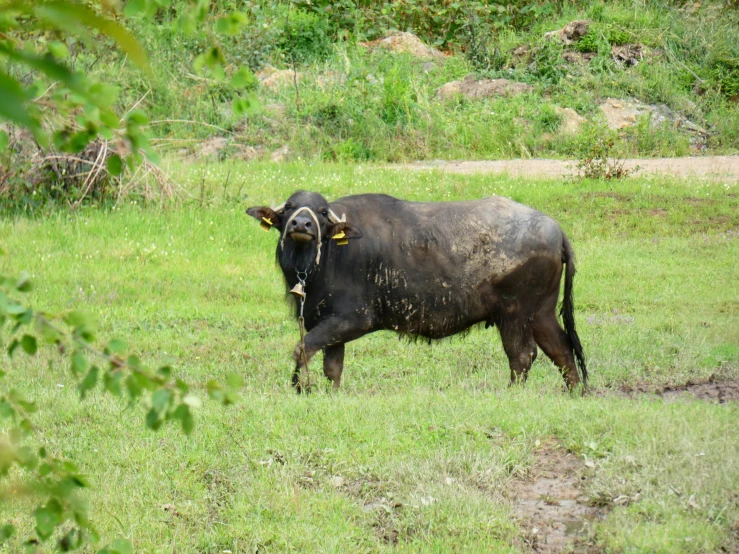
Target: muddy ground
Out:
[714,389]
[719,168]
[550,505]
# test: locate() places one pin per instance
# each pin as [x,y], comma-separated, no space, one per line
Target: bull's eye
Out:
[288,206]
[324,213]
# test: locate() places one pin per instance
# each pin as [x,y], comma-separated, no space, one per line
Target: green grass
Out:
[655,300]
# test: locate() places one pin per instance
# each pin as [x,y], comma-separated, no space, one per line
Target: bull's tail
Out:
[567,311]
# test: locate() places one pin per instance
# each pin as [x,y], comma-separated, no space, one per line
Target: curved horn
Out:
[333,218]
[279,209]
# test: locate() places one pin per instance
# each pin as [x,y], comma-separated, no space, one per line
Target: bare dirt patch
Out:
[554,512]
[474,88]
[715,168]
[713,389]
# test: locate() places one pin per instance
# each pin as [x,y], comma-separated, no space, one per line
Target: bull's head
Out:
[306,219]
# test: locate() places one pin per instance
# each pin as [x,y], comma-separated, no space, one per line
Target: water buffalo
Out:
[431,270]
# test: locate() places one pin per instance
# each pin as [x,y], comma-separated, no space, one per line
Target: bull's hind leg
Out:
[553,341]
[519,346]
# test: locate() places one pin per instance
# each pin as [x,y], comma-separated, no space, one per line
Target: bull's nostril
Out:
[307,223]
[295,223]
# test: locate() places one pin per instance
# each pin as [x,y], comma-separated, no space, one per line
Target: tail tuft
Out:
[567,311]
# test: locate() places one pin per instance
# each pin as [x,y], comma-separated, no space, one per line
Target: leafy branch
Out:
[122,374]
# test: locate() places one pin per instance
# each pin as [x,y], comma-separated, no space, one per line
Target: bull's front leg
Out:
[330,334]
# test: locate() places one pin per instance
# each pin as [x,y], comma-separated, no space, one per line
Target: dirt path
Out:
[719,168]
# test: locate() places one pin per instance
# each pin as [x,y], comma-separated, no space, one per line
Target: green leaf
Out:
[12,100]
[160,399]
[29,344]
[6,531]
[14,344]
[109,118]
[58,49]
[212,58]
[192,401]
[63,14]
[135,7]
[89,382]
[153,421]
[241,106]
[15,309]
[244,78]
[71,541]
[3,140]
[117,346]
[46,65]
[134,362]
[183,387]
[121,546]
[6,409]
[47,518]
[184,414]
[165,371]
[44,469]
[84,325]
[103,94]
[133,387]
[79,363]
[138,116]
[115,165]
[112,381]
[232,23]
[24,282]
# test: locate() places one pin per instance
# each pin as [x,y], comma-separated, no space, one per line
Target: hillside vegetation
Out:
[354,99]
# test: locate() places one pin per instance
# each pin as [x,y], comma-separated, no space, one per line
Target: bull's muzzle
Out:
[302,229]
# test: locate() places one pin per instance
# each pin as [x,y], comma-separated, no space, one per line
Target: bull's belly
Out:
[433,321]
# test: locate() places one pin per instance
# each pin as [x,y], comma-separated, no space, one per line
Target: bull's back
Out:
[429,268]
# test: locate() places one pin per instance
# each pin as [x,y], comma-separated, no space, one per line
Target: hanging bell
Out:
[298,290]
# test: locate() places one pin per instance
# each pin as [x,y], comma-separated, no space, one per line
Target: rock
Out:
[330,78]
[474,88]
[272,78]
[622,113]
[275,111]
[625,113]
[211,147]
[336,481]
[572,32]
[521,55]
[250,153]
[578,58]
[408,43]
[628,55]
[572,121]
[280,155]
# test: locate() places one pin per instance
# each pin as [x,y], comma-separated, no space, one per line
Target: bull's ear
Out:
[267,217]
[342,231]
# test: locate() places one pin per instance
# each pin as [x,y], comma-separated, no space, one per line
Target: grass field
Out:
[423,440]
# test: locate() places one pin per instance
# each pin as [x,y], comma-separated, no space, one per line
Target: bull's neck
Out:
[301,260]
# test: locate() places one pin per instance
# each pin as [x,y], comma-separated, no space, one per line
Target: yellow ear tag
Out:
[340,238]
[266,223]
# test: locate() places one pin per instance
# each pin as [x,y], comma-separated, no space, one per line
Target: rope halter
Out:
[318,228]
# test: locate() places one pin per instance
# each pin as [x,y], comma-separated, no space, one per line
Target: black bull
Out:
[430,270]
